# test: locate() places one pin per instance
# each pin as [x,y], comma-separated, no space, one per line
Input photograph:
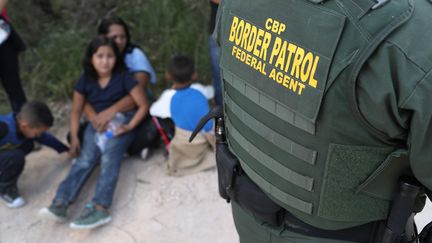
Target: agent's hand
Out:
[74,148]
[123,129]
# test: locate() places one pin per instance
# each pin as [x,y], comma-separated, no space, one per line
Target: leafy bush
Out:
[57,31]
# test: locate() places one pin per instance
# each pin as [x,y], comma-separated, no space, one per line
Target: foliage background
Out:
[57,31]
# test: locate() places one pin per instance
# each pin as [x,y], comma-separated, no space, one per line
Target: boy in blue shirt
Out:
[16,134]
[185,103]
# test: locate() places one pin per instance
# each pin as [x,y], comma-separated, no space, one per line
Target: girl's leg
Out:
[81,169]
[110,168]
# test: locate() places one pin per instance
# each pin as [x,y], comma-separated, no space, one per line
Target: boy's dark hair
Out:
[181,68]
[106,23]
[89,71]
[36,114]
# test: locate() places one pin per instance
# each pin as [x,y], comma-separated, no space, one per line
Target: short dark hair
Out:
[37,114]
[89,71]
[181,68]
[106,23]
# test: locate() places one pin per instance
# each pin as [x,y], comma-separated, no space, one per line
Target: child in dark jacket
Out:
[17,132]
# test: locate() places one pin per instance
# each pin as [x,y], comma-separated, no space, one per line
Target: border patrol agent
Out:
[326,109]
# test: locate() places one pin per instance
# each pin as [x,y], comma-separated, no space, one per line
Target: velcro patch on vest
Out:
[346,168]
[285,55]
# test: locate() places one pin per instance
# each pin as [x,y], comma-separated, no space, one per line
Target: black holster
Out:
[233,183]
[426,234]
[228,168]
[400,226]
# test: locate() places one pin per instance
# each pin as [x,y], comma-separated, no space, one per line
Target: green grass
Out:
[166,27]
[4,104]
[56,42]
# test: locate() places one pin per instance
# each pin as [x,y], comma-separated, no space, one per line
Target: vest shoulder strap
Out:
[365,54]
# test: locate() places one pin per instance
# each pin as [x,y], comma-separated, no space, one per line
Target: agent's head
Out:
[34,118]
[102,58]
[116,29]
[181,69]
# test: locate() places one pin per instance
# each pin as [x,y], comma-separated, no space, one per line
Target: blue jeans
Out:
[90,155]
[215,59]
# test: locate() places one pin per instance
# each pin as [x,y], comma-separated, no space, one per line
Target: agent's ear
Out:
[194,77]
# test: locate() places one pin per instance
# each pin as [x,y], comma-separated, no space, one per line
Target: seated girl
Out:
[138,65]
[103,84]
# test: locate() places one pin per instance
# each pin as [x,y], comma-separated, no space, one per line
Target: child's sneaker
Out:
[91,218]
[144,154]
[56,211]
[12,197]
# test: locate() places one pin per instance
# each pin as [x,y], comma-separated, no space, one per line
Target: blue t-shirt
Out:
[188,106]
[184,106]
[137,61]
[99,98]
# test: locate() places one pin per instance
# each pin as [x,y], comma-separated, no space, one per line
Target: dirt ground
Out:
[149,206]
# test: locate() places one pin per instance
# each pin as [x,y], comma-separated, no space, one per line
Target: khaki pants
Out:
[187,158]
[251,230]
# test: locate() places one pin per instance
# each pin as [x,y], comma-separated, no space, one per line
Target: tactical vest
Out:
[11,140]
[289,70]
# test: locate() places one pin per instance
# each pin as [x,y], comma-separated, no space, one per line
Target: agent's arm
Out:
[420,132]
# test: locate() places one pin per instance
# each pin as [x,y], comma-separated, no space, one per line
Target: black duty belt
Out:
[361,233]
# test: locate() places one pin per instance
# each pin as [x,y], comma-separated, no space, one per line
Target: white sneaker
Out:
[144,153]
[17,203]
[12,198]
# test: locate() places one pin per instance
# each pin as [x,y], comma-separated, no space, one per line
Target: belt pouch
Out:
[227,165]
[236,185]
[250,197]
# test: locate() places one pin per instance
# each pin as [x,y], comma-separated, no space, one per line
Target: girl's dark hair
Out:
[90,72]
[106,23]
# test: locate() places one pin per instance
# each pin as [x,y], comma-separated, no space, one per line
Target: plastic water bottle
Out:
[101,138]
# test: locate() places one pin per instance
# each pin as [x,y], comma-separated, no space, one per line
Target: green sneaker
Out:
[56,211]
[91,218]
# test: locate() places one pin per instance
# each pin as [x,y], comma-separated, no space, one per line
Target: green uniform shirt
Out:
[395,90]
